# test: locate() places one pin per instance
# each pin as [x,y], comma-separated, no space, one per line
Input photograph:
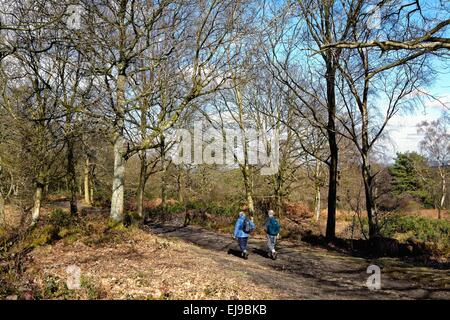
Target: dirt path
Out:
[302,271]
[305,272]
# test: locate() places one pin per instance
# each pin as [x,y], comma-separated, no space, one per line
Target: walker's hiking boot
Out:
[274,255]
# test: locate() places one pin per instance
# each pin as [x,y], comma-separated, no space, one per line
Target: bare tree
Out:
[318,23]
[416,27]
[362,81]
[436,146]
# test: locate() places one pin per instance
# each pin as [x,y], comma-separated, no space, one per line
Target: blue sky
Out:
[403,126]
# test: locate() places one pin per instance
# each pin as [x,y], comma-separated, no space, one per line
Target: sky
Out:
[402,127]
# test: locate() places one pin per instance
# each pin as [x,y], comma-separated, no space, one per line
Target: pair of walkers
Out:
[245,225]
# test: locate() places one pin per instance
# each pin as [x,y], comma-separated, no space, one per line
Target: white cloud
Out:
[402,130]
[432,100]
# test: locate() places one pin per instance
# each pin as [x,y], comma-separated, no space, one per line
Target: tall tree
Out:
[436,146]
[406,176]
[313,25]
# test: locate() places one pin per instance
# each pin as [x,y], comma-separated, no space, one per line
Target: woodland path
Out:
[303,271]
[307,272]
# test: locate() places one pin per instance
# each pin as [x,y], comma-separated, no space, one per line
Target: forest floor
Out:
[307,272]
[163,261]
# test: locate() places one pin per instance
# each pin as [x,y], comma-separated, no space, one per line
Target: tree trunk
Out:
[443,194]
[317,190]
[141,185]
[278,192]
[317,201]
[92,183]
[2,209]
[37,203]
[143,156]
[80,185]
[117,202]
[248,190]
[118,181]
[251,207]
[46,189]
[245,166]
[163,188]
[180,185]
[333,163]
[332,195]
[91,193]
[163,172]
[366,174]
[72,177]
[87,198]
[370,205]
[278,201]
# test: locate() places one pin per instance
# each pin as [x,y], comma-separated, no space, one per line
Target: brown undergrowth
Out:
[120,263]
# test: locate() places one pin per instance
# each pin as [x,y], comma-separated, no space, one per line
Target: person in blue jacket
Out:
[243,227]
[272,228]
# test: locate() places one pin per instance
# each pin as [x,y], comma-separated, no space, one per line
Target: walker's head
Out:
[270,213]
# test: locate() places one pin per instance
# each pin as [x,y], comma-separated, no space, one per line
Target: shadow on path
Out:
[308,272]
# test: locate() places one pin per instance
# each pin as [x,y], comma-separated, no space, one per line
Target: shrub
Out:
[421,228]
[284,234]
[407,203]
[93,290]
[175,207]
[60,224]
[55,288]
[42,236]
[102,196]
[60,218]
[114,225]
[211,208]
